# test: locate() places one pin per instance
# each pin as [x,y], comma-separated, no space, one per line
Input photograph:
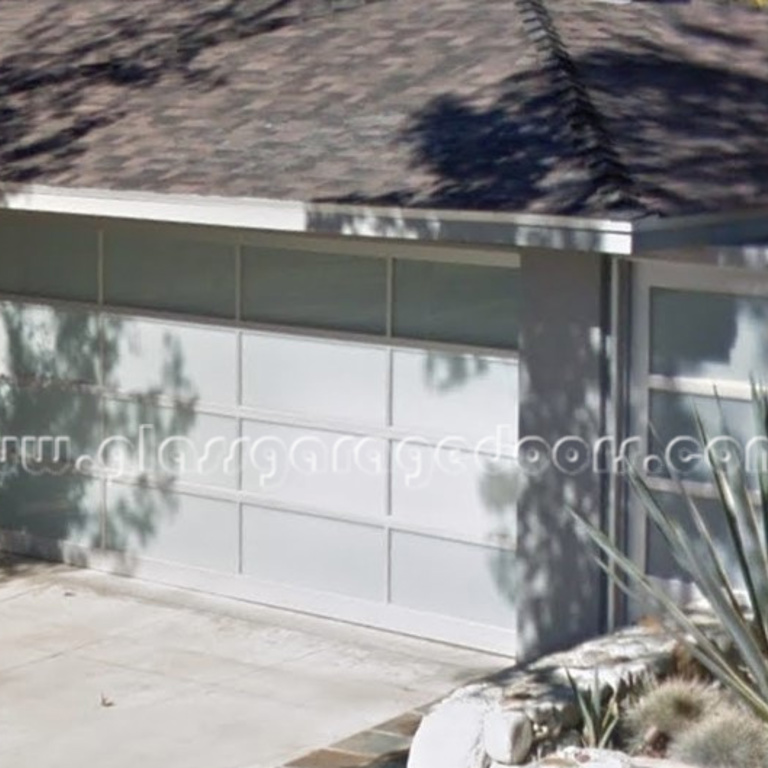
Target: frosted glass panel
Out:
[171,443]
[466,394]
[156,272]
[709,335]
[60,425]
[661,562]
[48,259]
[314,553]
[38,342]
[60,508]
[453,579]
[173,527]
[456,491]
[321,470]
[672,417]
[318,290]
[173,359]
[458,303]
[319,379]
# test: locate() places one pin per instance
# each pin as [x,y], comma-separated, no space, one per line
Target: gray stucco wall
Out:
[563,386]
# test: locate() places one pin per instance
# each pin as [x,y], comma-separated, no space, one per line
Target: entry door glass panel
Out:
[708,335]
[700,335]
[660,561]
[676,434]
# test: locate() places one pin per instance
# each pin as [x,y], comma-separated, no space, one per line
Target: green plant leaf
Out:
[695,639]
[692,557]
[743,529]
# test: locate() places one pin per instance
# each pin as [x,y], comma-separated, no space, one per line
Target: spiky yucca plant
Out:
[745,624]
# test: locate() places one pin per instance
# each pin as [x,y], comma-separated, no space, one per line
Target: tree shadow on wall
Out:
[55,417]
[691,134]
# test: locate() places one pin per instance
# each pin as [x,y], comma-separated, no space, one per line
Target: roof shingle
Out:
[446,104]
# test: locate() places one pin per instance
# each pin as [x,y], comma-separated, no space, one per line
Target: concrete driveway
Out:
[101,671]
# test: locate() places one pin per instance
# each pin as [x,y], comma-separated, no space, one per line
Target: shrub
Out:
[732,738]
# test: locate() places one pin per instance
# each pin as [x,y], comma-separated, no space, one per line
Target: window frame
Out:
[697,278]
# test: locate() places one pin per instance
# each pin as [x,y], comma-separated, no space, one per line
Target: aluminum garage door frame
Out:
[419,545]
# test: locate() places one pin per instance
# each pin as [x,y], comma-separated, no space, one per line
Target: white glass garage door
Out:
[328,428]
[701,333]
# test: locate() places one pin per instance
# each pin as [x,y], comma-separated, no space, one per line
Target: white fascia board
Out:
[655,235]
[471,227]
[145,206]
[750,256]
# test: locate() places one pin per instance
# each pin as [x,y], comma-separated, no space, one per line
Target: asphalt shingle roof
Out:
[573,106]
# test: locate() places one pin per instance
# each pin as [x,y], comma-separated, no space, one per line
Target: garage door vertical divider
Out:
[101,380]
[239,457]
[389,308]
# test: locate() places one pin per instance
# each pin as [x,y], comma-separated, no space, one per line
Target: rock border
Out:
[499,720]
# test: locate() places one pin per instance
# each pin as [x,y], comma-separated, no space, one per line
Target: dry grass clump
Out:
[696,723]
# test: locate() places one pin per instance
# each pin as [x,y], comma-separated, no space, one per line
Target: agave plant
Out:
[744,621]
[599,712]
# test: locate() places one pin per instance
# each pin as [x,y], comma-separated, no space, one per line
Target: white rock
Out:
[507,736]
[580,757]
[656,762]
[484,695]
[595,758]
[451,736]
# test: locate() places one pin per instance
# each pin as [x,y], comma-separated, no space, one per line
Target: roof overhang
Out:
[674,238]
[457,227]
[732,228]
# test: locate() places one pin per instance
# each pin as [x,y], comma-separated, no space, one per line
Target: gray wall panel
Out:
[562,395]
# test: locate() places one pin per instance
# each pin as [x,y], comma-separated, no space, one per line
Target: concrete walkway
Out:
[101,671]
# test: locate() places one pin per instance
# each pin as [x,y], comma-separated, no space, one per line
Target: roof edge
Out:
[725,228]
[620,237]
[529,230]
